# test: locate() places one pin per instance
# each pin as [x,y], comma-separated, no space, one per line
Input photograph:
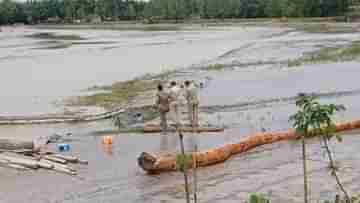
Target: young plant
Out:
[182,161]
[256,198]
[302,124]
[314,118]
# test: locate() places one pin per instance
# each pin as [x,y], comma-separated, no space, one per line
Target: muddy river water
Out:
[34,77]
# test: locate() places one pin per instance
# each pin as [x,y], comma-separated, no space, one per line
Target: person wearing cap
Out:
[192,98]
[162,103]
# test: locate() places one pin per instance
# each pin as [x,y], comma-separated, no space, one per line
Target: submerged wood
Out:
[19,151]
[7,144]
[13,166]
[157,129]
[46,119]
[46,160]
[55,163]
[45,165]
[29,163]
[84,162]
[71,159]
[60,167]
[55,159]
[155,163]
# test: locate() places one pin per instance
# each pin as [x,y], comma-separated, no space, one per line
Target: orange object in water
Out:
[108,140]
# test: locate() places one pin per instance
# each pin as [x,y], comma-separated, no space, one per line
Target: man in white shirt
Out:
[192,97]
[174,95]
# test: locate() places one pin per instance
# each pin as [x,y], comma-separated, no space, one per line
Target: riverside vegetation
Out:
[348,52]
[70,11]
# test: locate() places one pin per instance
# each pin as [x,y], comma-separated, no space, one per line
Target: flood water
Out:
[32,79]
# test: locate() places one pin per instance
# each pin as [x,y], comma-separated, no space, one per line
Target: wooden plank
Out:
[57,165]
[71,159]
[21,161]
[45,165]
[13,166]
[54,159]
[81,161]
[60,167]
[46,119]
[7,144]
[18,167]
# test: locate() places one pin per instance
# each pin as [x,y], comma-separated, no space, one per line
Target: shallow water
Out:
[33,79]
[38,77]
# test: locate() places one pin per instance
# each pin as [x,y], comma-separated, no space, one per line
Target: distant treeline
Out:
[37,11]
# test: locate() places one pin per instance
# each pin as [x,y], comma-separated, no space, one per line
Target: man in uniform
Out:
[175,93]
[162,103]
[192,97]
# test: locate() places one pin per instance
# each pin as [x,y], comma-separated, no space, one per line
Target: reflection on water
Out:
[168,143]
[107,149]
[192,142]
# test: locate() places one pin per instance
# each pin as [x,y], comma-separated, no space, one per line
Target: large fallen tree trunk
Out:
[157,163]
[7,144]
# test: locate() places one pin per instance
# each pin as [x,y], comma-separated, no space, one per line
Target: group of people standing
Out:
[171,99]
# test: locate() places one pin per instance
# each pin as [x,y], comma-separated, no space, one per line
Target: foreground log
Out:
[59,167]
[29,163]
[7,144]
[71,159]
[14,166]
[55,159]
[155,163]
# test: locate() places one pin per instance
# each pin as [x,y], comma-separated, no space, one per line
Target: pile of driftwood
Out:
[21,155]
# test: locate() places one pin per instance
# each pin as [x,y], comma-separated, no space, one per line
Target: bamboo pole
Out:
[7,144]
[55,159]
[21,161]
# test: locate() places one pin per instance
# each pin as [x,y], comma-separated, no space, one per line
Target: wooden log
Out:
[19,151]
[154,163]
[54,163]
[7,144]
[18,167]
[55,159]
[71,159]
[21,161]
[157,129]
[46,119]
[81,161]
[45,165]
[3,161]
[60,167]
[13,166]
[64,170]
[19,155]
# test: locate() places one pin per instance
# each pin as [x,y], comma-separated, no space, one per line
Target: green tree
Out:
[314,118]
[131,11]
[8,12]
